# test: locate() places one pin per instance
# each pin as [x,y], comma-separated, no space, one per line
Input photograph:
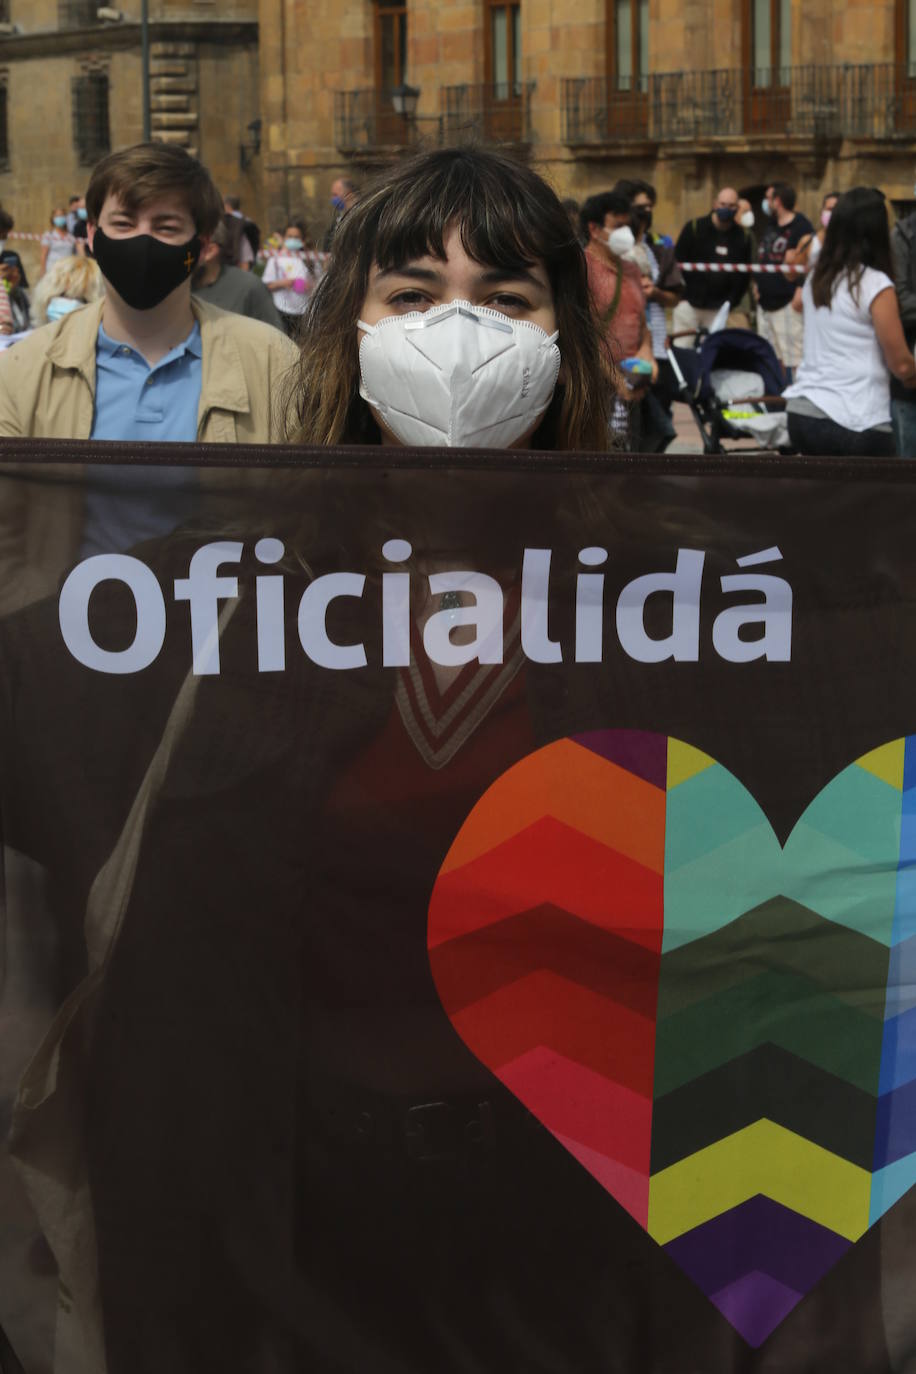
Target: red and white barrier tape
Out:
[767,268]
[313,259]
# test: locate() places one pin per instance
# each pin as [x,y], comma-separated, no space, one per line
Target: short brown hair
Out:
[147,171]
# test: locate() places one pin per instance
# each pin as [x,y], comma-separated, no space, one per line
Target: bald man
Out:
[714,238]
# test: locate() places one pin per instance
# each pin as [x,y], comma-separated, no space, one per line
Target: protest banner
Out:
[459,913]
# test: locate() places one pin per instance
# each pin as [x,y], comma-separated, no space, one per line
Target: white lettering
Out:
[774,614]
[683,643]
[73,613]
[396,607]
[486,616]
[270,604]
[536,642]
[204,589]
[313,628]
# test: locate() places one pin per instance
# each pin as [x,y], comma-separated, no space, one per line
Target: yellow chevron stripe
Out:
[886,763]
[763,1158]
[685,762]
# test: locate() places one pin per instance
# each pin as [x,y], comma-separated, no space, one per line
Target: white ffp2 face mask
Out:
[621,240]
[458,376]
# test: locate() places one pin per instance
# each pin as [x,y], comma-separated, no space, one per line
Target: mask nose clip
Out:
[460,308]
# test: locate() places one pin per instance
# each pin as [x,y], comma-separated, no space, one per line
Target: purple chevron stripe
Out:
[755,1305]
[760,1236]
[641,753]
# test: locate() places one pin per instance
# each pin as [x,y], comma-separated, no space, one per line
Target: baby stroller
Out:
[732,381]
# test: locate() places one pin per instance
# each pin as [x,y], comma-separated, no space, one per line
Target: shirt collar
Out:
[108,347]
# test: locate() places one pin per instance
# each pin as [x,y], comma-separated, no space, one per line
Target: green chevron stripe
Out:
[777,1007]
[782,934]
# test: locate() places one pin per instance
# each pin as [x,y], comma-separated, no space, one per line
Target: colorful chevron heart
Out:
[722,1031]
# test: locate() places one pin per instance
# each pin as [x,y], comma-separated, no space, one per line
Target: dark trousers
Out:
[826,439]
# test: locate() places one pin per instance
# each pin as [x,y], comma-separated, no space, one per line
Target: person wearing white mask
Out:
[615,282]
[714,238]
[454,313]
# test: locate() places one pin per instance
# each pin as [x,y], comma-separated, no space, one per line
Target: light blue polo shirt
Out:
[134,402]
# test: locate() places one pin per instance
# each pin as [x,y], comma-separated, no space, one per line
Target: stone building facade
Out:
[689,94]
[71,88]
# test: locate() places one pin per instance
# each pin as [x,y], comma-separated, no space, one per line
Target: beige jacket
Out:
[47,391]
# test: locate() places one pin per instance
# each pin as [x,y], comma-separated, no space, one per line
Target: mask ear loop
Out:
[366,328]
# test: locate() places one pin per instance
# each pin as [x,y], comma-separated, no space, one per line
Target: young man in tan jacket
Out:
[148,363]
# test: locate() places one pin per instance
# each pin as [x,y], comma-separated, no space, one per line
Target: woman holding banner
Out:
[840,404]
[284,1157]
[262,1132]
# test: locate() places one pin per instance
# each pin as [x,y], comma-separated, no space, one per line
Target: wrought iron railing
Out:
[367,119]
[853,101]
[498,113]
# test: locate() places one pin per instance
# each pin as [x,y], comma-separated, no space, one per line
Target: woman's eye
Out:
[508,304]
[411,300]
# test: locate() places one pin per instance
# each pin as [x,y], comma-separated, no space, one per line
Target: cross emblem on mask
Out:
[188,262]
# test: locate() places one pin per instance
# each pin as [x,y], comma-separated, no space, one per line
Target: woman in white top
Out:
[56,243]
[290,275]
[840,403]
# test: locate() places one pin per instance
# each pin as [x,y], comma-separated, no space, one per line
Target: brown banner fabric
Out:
[459,913]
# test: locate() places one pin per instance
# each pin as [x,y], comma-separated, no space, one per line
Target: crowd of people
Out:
[834,299]
[230,1005]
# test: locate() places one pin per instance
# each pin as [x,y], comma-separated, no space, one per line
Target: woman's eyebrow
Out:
[501,274]
[418,273]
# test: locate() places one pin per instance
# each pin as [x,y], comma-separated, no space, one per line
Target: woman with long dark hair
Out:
[462,225]
[840,404]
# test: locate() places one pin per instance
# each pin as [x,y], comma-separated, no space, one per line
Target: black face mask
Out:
[644,216]
[142,269]
[726,215]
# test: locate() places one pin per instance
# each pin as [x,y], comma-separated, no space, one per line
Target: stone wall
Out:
[204,91]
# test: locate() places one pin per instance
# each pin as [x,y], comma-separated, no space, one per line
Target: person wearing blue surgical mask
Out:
[291,274]
[57,243]
[343,197]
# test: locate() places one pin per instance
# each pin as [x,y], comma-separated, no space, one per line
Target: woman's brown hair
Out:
[857,237]
[507,217]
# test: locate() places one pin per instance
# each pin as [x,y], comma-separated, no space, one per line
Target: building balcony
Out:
[811,103]
[365,121]
[495,113]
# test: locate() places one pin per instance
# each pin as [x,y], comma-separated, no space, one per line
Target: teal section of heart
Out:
[722,858]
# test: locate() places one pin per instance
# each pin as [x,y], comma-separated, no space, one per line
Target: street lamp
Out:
[404,98]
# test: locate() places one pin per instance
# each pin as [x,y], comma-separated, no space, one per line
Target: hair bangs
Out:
[497,228]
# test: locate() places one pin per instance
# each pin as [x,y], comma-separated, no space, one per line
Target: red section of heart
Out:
[545,951]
